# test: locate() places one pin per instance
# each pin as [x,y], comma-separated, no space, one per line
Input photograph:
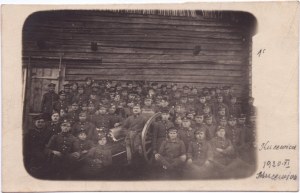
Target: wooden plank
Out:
[157,71]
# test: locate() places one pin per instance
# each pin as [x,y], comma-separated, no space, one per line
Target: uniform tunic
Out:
[85,126]
[171,151]
[199,151]
[234,109]
[53,128]
[225,157]
[186,135]
[60,104]
[65,143]
[160,129]
[48,101]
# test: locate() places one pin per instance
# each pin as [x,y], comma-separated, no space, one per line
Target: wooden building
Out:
[202,48]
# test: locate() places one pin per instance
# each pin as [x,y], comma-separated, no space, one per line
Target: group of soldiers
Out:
[200,133]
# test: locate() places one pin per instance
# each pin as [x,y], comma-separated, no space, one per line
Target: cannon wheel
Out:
[147,139]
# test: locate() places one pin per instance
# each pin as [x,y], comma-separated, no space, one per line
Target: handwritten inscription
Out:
[268,146]
[260,52]
[274,176]
[276,164]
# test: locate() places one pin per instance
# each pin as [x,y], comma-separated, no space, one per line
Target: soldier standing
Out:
[49,98]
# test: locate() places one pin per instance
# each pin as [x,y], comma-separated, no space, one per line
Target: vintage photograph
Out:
[132,94]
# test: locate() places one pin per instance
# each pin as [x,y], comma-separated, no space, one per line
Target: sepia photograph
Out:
[138,94]
[150,97]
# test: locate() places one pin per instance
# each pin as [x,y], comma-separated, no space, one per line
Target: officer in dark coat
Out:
[61,103]
[49,98]
[53,126]
[63,150]
[34,145]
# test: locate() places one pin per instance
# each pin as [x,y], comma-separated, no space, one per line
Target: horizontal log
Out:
[156,72]
[181,78]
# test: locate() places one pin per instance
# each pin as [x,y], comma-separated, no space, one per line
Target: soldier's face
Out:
[190,116]
[129,86]
[226,91]
[93,97]
[232,122]
[40,123]
[212,93]
[191,99]
[91,108]
[252,120]
[221,133]
[223,123]
[164,103]
[209,121]
[67,89]
[194,91]
[178,121]
[220,99]
[241,121]
[65,127]
[186,91]
[173,134]
[199,119]
[75,107]
[82,136]
[89,82]
[51,89]
[82,117]
[62,97]
[102,111]
[55,117]
[206,110]
[136,110]
[186,123]
[174,88]
[202,100]
[147,103]
[102,141]
[80,91]
[183,100]
[207,97]
[112,109]
[117,98]
[200,135]
[165,116]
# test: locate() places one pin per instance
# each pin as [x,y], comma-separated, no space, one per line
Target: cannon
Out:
[119,149]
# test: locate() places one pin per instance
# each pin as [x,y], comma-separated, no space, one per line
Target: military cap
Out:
[199,115]
[205,106]
[232,118]
[199,130]
[226,87]
[172,129]
[93,93]
[169,86]
[95,85]
[219,96]
[185,87]
[101,106]
[223,118]
[154,84]
[220,127]
[62,92]
[67,85]
[205,89]
[209,116]
[163,85]
[165,110]
[185,118]
[38,117]
[51,85]
[212,89]
[65,121]
[81,132]
[233,97]
[242,116]
[191,95]
[221,108]
[74,103]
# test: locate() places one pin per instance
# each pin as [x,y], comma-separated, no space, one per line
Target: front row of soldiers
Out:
[188,147]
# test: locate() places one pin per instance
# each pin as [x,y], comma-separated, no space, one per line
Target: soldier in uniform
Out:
[186,132]
[84,145]
[134,125]
[88,86]
[233,108]
[236,136]
[83,126]
[148,110]
[102,118]
[199,155]
[63,150]
[160,129]
[250,109]
[199,122]
[98,159]
[226,95]
[220,104]
[73,114]
[113,117]
[68,93]
[61,103]
[201,104]
[211,127]
[49,98]
[172,152]
[34,145]
[54,125]
[80,97]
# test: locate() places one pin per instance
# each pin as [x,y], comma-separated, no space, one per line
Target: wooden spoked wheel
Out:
[147,135]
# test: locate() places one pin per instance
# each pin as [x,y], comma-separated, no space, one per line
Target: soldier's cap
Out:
[233,97]
[67,85]
[102,107]
[81,132]
[223,118]
[185,87]
[65,122]
[207,94]
[154,84]
[220,127]
[199,130]
[38,117]
[91,103]
[74,103]
[185,118]
[205,89]
[172,129]
[148,98]
[199,115]
[221,108]
[169,86]
[173,84]
[202,95]
[80,87]
[136,105]
[88,78]
[93,93]
[165,111]
[219,96]
[51,85]
[191,95]
[163,85]
[212,89]
[209,116]
[232,118]
[62,92]
[81,114]
[95,85]
[205,106]
[242,116]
